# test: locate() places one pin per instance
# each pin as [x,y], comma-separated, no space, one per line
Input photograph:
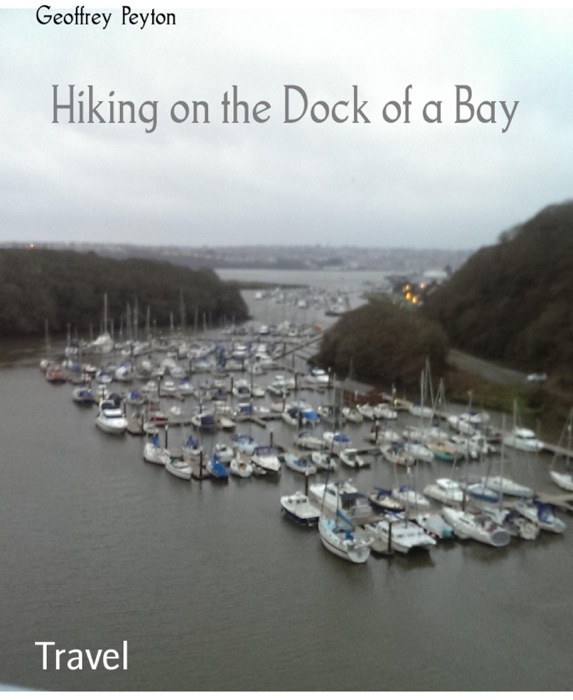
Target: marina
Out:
[103,545]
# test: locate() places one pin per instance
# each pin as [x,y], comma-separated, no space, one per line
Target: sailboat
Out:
[341,537]
[564,479]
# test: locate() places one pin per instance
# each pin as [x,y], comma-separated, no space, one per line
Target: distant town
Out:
[411,261]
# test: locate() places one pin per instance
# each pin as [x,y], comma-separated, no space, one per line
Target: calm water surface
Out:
[215,590]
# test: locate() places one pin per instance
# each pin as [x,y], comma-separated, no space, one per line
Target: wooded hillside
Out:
[67,289]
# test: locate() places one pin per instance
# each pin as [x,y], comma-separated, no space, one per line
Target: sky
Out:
[425,166]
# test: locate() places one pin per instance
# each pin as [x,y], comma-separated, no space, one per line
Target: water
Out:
[215,590]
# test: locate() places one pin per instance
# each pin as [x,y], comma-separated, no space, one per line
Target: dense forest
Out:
[383,344]
[511,302]
[67,289]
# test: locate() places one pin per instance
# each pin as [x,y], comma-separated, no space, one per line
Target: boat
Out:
[384,411]
[204,421]
[563,479]
[435,525]
[366,411]
[217,469]
[476,526]
[445,450]
[507,487]
[513,521]
[542,514]
[446,491]
[383,500]
[180,468]
[523,439]
[192,450]
[244,443]
[299,508]
[55,374]
[395,453]
[336,441]
[352,414]
[343,497]
[224,452]
[155,453]
[343,539]
[396,532]
[83,395]
[323,461]
[352,458]
[411,499]
[239,466]
[111,418]
[266,457]
[306,440]
[419,452]
[301,465]
[479,491]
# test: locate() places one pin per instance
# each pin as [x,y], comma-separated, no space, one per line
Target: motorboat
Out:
[111,418]
[224,452]
[343,539]
[299,508]
[477,526]
[266,457]
[396,532]
[352,414]
[343,497]
[563,479]
[523,439]
[83,395]
[419,452]
[434,525]
[352,458]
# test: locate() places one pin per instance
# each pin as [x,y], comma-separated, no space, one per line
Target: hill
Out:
[383,344]
[511,302]
[67,289]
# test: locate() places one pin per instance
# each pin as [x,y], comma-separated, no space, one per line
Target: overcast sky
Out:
[408,183]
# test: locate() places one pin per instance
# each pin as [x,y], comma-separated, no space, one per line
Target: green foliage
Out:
[512,302]
[67,289]
[383,344]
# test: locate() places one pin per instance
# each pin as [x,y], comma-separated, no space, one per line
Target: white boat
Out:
[419,452]
[563,479]
[83,395]
[383,436]
[396,532]
[445,491]
[476,526]
[239,466]
[301,465]
[366,411]
[204,421]
[444,450]
[514,522]
[395,453]
[343,539]
[542,514]
[523,439]
[111,418]
[384,411]
[155,453]
[507,487]
[179,468]
[352,414]
[352,458]
[411,499]
[435,525]
[224,452]
[336,441]
[266,457]
[308,441]
[245,444]
[342,497]
[323,461]
[298,508]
